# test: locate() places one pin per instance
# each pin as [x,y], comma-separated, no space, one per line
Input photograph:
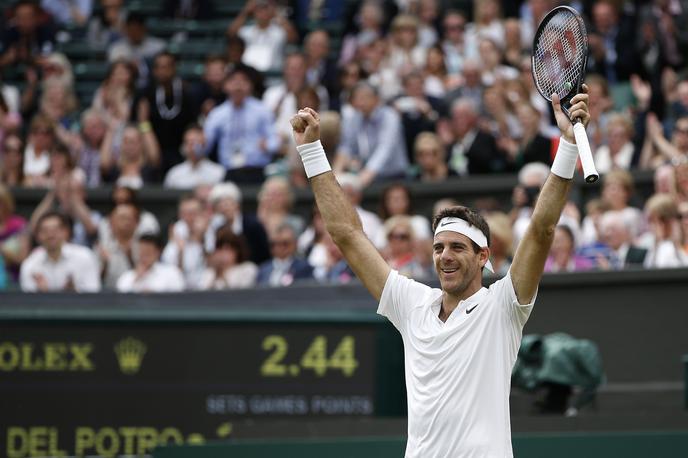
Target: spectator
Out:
[419,111]
[561,256]
[148,224]
[405,53]
[430,159]
[136,160]
[619,152]
[226,201]
[370,27]
[396,201]
[662,41]
[372,139]
[14,240]
[185,246]
[68,196]
[108,25]
[663,240]
[513,50]
[26,40]
[683,217]
[486,23]
[657,150]
[494,71]
[532,146]
[209,90]
[281,98]
[531,178]
[321,69]
[275,202]
[58,104]
[115,96]
[12,161]
[10,94]
[57,265]
[471,84]
[436,79]
[87,146]
[196,169]
[428,18]
[10,121]
[349,76]
[457,48]
[310,243]
[234,52]
[167,107]
[285,267]
[335,271]
[372,226]
[117,247]
[472,151]
[242,129]
[611,39]
[69,12]
[401,251]
[228,264]
[615,232]
[41,141]
[664,179]
[149,275]
[617,190]
[136,46]
[501,242]
[199,10]
[600,107]
[266,37]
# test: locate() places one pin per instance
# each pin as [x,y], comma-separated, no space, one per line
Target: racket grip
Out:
[584,152]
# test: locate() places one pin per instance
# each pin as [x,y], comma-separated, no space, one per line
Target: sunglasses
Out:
[280,243]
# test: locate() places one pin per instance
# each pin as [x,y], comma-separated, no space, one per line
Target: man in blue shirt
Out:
[372,139]
[243,131]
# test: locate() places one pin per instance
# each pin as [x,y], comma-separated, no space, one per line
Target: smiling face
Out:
[457,264]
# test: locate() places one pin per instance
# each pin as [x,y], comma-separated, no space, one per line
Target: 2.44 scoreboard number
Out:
[315,358]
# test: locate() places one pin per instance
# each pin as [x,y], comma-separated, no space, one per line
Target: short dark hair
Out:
[225,236]
[467,214]
[61,217]
[166,53]
[136,18]
[152,239]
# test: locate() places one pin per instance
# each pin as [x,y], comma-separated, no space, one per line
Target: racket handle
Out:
[589,170]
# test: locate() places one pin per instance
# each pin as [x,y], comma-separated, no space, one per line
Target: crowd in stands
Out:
[409,91]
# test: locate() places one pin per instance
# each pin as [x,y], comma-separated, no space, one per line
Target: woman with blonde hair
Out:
[401,250]
[275,201]
[618,151]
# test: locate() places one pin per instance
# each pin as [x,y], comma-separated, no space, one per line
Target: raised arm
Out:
[340,217]
[531,254]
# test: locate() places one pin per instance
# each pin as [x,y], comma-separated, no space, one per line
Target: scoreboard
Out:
[114,387]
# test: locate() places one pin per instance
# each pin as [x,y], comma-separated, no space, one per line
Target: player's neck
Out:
[451,300]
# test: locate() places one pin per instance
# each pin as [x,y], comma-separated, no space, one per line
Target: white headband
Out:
[461,226]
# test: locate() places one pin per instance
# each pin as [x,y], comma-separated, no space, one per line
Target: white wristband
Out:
[314,158]
[564,164]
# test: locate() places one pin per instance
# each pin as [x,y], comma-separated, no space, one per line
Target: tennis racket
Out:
[560,54]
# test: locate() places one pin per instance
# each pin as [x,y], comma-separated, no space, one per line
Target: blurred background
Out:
[166,278]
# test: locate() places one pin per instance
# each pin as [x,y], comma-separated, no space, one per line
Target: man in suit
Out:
[284,268]
[616,234]
[473,151]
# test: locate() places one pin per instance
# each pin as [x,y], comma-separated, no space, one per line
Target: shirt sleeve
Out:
[506,294]
[88,281]
[399,296]
[26,281]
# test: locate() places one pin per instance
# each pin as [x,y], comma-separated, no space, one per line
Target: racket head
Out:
[560,54]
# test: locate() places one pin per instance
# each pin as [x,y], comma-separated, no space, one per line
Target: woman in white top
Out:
[229,267]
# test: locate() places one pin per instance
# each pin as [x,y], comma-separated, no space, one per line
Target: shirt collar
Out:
[466,303]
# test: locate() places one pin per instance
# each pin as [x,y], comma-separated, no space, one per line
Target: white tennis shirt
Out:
[458,372]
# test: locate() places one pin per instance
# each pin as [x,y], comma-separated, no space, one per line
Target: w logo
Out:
[561,55]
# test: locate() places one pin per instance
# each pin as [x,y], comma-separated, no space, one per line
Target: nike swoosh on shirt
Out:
[470,310]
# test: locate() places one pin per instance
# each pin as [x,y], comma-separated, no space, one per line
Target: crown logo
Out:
[130,352]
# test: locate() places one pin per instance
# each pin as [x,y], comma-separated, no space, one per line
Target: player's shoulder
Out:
[413,292]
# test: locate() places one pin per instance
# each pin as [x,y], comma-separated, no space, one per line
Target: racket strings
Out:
[559,54]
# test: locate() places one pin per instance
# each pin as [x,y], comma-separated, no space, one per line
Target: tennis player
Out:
[460,341]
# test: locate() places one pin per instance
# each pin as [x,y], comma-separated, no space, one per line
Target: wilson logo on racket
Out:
[557,59]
